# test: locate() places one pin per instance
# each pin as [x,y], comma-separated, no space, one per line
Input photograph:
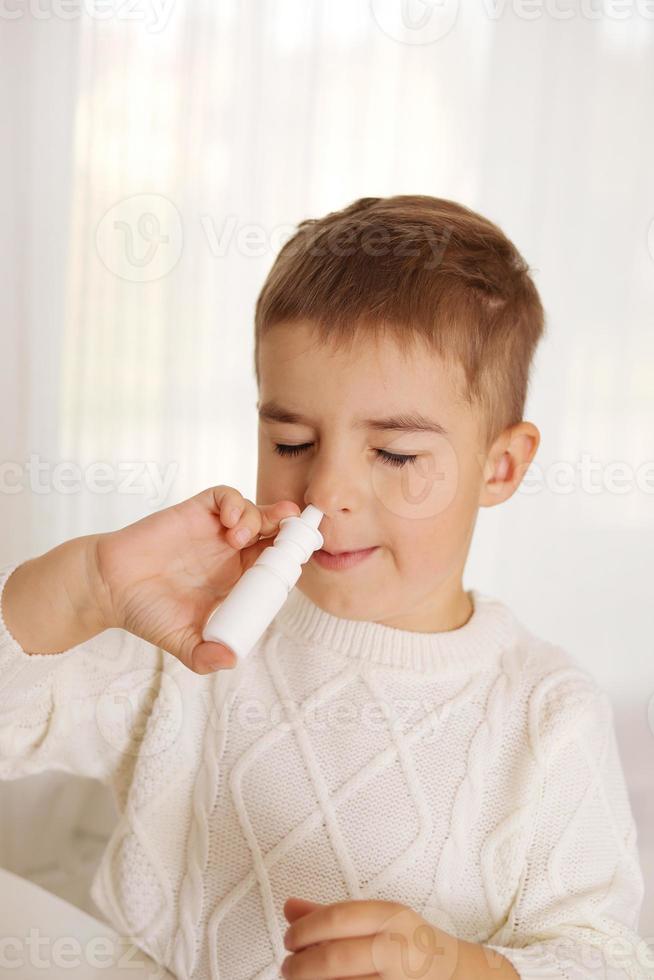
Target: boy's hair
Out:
[415,265]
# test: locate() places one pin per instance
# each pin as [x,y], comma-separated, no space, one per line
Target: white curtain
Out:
[153,163]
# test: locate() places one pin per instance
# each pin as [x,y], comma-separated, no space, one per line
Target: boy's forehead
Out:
[295,359]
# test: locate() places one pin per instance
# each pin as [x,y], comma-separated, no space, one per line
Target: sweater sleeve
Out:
[80,711]
[577,908]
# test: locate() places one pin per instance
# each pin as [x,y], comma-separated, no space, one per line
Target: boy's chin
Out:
[337,597]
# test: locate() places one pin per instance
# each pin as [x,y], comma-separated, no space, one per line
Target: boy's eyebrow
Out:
[272,411]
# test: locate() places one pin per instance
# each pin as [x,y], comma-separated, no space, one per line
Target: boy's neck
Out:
[437,614]
[448,610]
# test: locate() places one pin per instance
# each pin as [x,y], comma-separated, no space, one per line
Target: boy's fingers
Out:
[272,514]
[225,500]
[262,520]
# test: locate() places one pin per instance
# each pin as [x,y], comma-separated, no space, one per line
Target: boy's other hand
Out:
[161,577]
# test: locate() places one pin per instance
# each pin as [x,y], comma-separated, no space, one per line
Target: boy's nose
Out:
[334,486]
[330,505]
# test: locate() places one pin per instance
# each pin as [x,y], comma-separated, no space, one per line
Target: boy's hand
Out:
[368,939]
[162,576]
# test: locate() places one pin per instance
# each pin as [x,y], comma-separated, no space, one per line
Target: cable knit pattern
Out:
[472,775]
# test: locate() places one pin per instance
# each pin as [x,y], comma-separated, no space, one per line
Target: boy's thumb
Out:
[205,656]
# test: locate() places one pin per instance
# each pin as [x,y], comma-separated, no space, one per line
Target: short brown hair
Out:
[373,266]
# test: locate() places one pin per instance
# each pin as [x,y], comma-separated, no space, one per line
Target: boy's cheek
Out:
[420,491]
[428,550]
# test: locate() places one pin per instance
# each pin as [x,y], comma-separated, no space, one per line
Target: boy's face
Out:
[419,516]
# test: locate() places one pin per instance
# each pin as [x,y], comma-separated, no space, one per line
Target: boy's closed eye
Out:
[392,459]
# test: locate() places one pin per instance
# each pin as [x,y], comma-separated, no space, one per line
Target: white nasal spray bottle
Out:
[262,590]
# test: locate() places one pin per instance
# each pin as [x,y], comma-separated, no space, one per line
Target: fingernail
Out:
[242,535]
[234,514]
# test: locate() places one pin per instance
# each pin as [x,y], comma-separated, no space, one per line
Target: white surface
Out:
[44,936]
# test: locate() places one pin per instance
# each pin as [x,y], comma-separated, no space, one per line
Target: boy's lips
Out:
[344,551]
[342,559]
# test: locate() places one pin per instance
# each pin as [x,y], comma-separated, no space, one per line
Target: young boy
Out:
[445,785]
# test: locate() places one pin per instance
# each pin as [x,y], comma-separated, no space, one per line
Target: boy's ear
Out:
[507,462]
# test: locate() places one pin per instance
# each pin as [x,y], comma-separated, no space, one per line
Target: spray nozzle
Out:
[312,516]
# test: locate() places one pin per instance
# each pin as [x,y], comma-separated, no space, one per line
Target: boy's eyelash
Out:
[391,459]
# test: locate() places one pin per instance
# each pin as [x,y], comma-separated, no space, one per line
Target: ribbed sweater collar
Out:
[479,642]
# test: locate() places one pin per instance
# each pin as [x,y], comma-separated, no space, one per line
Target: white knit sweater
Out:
[472,775]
